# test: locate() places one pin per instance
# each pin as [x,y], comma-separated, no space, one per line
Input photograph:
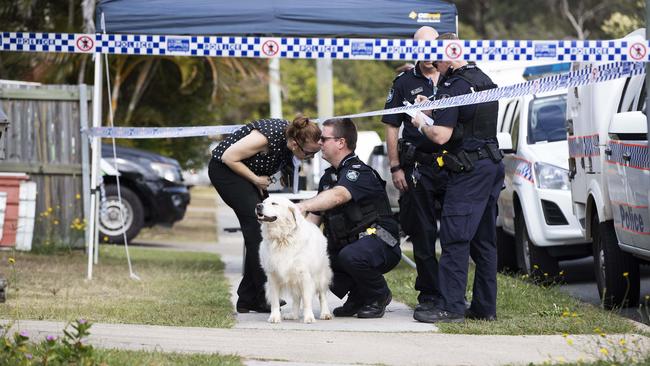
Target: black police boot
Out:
[426,303]
[438,316]
[349,308]
[470,314]
[261,307]
[376,309]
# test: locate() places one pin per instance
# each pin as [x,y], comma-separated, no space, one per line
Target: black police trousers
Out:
[359,267]
[468,228]
[418,220]
[242,196]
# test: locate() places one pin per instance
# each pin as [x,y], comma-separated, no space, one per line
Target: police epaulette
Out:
[398,75]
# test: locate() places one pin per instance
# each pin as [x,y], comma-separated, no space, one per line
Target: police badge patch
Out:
[352,175]
[391,92]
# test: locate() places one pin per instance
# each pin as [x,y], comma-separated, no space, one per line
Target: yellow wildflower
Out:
[622,342]
[574,314]
[604,351]
[535,266]
[11,260]
[565,313]
[597,330]
[565,335]
[77,196]
[106,238]
[602,335]
[569,341]
[49,209]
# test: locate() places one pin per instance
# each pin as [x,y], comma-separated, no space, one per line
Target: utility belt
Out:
[463,161]
[339,242]
[409,155]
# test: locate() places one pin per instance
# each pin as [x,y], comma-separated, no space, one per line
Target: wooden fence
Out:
[44,141]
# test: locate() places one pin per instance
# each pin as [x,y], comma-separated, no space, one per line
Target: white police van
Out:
[536,226]
[610,179]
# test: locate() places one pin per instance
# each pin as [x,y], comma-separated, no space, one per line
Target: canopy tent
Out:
[361,18]
[389,18]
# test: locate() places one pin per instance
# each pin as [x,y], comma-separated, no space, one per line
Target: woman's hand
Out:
[262,182]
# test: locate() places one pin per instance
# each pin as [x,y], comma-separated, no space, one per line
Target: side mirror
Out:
[505,142]
[379,150]
[629,123]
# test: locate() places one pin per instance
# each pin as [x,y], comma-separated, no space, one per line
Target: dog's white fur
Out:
[293,254]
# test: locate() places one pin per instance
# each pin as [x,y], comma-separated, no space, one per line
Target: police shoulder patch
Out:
[352,175]
[389,98]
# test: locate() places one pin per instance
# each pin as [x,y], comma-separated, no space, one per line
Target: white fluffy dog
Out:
[293,254]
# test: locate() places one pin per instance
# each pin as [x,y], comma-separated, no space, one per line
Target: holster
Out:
[495,154]
[453,163]
[406,152]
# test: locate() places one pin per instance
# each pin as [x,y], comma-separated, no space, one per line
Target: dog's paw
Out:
[309,318]
[275,318]
[325,316]
[289,316]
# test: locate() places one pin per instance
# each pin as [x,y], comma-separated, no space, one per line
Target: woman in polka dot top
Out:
[241,168]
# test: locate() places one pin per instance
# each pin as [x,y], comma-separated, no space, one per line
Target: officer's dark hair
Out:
[345,128]
[302,130]
[448,35]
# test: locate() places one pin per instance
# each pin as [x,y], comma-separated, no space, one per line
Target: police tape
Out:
[588,75]
[159,132]
[629,49]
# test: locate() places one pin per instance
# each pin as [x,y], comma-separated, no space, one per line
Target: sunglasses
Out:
[325,138]
[308,154]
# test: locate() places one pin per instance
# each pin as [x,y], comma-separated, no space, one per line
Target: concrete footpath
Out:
[395,339]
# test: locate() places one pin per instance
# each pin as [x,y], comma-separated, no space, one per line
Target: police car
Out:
[610,178]
[536,225]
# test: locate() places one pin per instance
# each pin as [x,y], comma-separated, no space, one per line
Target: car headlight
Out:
[166,171]
[551,177]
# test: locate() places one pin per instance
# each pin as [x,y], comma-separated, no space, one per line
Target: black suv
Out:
[152,191]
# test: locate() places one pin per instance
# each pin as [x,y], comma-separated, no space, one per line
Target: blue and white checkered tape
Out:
[583,146]
[335,48]
[160,132]
[637,153]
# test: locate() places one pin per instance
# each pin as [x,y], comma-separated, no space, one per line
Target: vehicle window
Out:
[629,99]
[547,119]
[507,116]
[640,102]
[514,130]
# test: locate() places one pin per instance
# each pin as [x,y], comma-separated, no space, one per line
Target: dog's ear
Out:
[294,213]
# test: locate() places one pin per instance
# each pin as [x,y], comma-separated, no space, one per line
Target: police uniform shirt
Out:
[362,183]
[451,117]
[262,163]
[406,86]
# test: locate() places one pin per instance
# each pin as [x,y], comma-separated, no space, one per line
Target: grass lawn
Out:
[128,358]
[176,288]
[522,308]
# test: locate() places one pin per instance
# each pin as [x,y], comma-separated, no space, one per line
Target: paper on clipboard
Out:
[428,120]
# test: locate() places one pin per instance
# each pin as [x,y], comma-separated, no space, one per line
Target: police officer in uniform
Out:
[468,224]
[422,185]
[361,231]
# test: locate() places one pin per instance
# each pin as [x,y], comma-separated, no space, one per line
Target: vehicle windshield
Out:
[546,119]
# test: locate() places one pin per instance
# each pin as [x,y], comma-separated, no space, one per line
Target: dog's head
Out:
[278,214]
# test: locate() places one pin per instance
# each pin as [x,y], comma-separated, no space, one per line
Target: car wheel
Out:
[506,253]
[531,259]
[611,264]
[110,220]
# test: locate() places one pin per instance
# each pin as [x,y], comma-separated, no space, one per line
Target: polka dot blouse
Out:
[262,163]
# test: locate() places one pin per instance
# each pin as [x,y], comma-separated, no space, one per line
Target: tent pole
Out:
[94,166]
[275,92]
[325,98]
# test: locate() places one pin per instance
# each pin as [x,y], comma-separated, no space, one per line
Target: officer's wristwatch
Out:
[395,168]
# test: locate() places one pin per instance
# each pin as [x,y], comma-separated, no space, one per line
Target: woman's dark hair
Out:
[302,130]
[345,128]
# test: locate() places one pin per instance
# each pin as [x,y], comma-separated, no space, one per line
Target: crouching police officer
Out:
[468,225]
[421,185]
[361,231]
